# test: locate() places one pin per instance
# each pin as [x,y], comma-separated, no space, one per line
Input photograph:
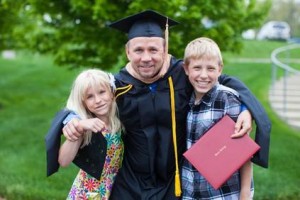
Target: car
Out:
[274,30]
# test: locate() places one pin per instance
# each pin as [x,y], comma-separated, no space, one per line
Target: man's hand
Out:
[76,128]
[243,124]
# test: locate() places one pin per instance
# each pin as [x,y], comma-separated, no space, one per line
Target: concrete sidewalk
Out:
[286,101]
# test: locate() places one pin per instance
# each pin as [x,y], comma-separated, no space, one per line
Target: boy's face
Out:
[203,74]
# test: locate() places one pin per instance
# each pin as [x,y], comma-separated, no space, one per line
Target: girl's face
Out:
[98,100]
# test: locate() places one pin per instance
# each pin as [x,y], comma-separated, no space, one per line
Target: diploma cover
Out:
[217,156]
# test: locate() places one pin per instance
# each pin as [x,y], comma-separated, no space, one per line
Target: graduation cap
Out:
[144,24]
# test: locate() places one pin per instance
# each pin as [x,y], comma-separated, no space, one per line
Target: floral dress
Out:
[86,186]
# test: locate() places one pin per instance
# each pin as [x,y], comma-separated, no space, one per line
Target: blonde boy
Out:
[209,102]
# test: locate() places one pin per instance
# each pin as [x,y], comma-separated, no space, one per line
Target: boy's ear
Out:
[220,69]
[185,67]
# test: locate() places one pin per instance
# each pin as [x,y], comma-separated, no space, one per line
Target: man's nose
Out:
[146,56]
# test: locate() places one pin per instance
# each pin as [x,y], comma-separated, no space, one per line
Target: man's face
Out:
[203,74]
[146,55]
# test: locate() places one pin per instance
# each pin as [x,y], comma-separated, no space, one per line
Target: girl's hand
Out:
[94,124]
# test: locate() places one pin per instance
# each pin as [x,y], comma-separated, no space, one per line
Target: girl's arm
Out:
[68,151]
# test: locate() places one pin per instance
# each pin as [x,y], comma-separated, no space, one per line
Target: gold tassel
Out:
[166,63]
[173,116]
[177,184]
[167,37]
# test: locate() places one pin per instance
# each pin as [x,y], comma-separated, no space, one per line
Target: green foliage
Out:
[9,17]
[75,31]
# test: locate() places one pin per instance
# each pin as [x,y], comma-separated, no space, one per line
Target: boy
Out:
[209,102]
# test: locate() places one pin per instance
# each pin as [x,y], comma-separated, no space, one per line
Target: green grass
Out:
[255,49]
[33,89]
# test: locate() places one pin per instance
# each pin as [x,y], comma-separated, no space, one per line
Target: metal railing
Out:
[287,71]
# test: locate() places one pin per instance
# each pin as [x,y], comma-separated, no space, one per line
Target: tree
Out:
[76,33]
[8,19]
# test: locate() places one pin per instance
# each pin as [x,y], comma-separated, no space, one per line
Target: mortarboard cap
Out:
[144,24]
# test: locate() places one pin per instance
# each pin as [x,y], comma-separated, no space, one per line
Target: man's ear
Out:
[127,52]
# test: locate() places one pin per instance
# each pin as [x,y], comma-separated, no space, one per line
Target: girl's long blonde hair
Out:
[92,78]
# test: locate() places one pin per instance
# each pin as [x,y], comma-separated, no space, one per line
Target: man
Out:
[152,96]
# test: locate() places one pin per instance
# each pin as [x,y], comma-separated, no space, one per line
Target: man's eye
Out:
[138,50]
[153,50]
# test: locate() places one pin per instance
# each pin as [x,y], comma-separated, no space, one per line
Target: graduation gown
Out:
[262,121]
[90,158]
[149,161]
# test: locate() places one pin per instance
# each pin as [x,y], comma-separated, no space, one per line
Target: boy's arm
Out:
[263,124]
[246,176]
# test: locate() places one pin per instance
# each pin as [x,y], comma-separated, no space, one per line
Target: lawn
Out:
[33,89]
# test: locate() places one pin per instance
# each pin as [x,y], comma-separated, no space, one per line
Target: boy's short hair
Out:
[201,47]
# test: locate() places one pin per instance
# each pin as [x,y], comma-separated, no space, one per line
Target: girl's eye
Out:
[101,91]
[89,96]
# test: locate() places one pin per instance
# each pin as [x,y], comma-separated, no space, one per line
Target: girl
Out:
[99,151]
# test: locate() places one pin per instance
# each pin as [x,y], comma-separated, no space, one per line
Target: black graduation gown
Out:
[262,121]
[90,158]
[149,164]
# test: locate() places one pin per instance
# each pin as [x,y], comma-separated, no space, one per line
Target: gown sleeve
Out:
[263,124]
[53,140]
[90,158]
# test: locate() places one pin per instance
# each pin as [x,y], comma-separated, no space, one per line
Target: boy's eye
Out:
[211,68]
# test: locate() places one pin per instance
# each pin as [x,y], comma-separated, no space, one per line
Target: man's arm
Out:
[263,124]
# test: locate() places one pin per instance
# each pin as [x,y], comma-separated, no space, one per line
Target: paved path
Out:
[286,102]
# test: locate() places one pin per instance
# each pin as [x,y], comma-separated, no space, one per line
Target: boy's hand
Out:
[243,124]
